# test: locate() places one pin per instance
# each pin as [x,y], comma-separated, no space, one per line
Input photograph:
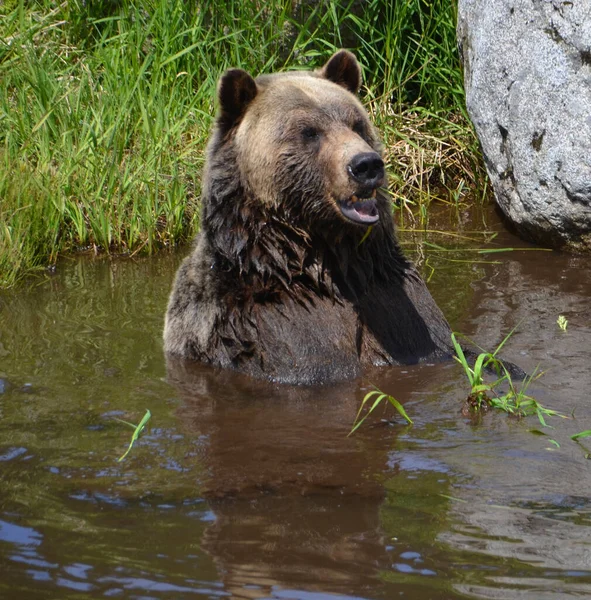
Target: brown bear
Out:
[296,274]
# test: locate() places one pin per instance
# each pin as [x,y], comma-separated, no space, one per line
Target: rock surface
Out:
[527,73]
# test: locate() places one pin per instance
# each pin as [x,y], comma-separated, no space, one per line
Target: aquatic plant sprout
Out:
[137,431]
[485,394]
[379,397]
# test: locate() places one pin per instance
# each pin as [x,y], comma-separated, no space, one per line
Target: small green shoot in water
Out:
[562,322]
[485,394]
[480,390]
[379,397]
[137,431]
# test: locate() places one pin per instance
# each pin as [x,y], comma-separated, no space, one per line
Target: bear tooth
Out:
[373,194]
[354,198]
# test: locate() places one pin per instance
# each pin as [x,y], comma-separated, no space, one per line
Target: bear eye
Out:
[359,128]
[310,134]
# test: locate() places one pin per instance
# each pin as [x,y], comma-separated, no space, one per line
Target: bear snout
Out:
[367,169]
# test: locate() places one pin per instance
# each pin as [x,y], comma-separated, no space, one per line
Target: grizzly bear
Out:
[296,274]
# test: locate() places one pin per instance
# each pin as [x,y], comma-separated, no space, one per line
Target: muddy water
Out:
[245,489]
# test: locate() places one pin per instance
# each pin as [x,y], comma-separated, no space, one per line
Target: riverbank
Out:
[105,110]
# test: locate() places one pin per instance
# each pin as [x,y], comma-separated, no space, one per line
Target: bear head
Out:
[303,146]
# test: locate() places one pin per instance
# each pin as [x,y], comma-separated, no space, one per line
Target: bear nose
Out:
[367,168]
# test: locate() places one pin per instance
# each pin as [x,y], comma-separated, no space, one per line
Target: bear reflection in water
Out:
[296,501]
[296,275]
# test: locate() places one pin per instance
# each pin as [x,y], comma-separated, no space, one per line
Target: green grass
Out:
[500,392]
[486,391]
[137,431]
[379,397]
[105,108]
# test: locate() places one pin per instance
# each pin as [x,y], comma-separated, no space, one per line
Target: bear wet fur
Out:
[296,274]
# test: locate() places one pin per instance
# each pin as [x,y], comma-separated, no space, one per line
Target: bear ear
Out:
[343,68]
[236,90]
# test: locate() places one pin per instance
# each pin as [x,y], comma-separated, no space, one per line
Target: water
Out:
[245,489]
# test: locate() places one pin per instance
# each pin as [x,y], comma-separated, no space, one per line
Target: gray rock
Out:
[527,75]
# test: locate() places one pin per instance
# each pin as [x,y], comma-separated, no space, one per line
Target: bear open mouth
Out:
[361,210]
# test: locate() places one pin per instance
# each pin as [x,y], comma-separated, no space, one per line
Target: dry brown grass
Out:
[430,159]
